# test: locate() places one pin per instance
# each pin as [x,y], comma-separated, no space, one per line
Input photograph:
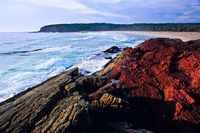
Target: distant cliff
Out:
[180,27]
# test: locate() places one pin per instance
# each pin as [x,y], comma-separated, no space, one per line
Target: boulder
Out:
[108,57]
[113,49]
[107,100]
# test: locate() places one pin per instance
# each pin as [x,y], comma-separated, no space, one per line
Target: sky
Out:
[30,15]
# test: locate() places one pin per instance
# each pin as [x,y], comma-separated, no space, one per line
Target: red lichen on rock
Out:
[165,70]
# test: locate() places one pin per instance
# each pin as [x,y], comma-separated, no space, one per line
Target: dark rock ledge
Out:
[154,87]
[63,104]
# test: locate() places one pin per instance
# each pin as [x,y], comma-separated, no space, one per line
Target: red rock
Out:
[164,71]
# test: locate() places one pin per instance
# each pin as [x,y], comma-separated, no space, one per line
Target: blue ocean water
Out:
[27,59]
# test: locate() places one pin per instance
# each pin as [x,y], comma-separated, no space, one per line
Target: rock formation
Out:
[113,49]
[162,80]
[154,87]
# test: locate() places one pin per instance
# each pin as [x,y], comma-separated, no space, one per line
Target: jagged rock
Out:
[113,49]
[22,112]
[70,115]
[126,48]
[72,87]
[107,100]
[90,84]
[163,79]
[105,89]
[86,84]
[108,57]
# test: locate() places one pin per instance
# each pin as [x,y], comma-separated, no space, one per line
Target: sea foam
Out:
[34,57]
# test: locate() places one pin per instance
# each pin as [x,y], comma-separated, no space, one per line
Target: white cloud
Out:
[108,1]
[24,15]
[71,5]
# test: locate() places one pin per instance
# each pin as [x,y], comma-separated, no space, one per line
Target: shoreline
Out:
[110,52]
[179,35]
[184,36]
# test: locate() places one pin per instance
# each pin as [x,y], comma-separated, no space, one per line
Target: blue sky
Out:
[30,15]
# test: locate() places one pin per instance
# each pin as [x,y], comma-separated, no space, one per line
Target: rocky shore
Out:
[152,88]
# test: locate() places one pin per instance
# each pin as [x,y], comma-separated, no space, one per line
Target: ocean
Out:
[27,59]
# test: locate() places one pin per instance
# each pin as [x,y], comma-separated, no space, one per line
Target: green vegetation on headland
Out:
[180,27]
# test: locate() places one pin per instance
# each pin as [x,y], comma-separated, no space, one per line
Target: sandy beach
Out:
[184,36]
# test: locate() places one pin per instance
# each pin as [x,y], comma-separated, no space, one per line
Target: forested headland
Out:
[77,27]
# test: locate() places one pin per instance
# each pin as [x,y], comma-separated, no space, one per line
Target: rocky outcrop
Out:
[107,100]
[69,115]
[113,49]
[27,112]
[162,80]
[152,87]
[63,104]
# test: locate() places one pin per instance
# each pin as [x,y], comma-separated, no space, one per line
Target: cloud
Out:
[190,12]
[26,15]
[189,18]
[71,5]
[108,1]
